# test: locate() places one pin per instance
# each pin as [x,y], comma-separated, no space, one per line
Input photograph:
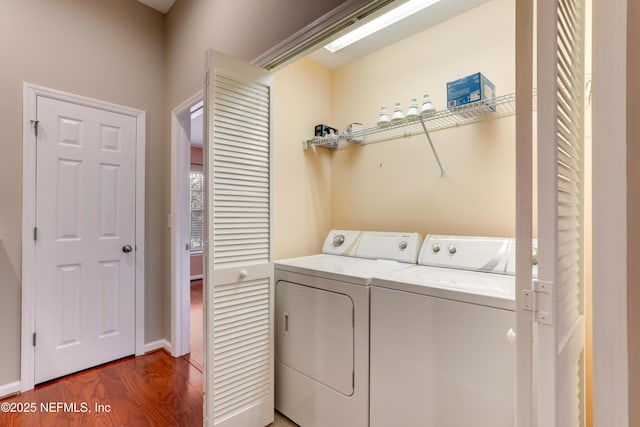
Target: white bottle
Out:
[427,107]
[413,110]
[397,113]
[383,120]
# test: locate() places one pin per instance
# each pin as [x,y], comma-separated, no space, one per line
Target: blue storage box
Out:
[469,89]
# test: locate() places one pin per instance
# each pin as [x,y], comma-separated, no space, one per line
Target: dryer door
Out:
[314,334]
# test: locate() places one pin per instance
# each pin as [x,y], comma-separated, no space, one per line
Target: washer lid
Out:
[347,269]
[489,289]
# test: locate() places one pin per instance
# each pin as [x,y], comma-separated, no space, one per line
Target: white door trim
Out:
[30,94]
[524,209]
[610,340]
[180,257]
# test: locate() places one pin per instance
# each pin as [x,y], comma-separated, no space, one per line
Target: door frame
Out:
[611,357]
[30,95]
[179,224]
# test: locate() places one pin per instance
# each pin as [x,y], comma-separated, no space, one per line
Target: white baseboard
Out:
[9,389]
[155,345]
[196,277]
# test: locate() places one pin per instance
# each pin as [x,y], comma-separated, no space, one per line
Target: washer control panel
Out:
[490,254]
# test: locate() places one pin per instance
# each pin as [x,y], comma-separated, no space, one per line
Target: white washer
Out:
[441,332]
[322,325]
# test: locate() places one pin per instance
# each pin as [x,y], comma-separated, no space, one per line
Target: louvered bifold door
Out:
[559,288]
[239,278]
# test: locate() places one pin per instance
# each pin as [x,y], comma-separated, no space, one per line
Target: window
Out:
[196,180]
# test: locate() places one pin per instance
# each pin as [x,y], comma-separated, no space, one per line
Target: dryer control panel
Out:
[341,242]
[401,247]
[394,246]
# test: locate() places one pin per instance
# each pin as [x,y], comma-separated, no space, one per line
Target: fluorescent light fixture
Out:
[391,17]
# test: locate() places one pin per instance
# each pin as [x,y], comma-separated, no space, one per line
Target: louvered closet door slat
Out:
[239,156]
[565,158]
[231,236]
[231,159]
[228,142]
[238,132]
[235,102]
[239,244]
[247,172]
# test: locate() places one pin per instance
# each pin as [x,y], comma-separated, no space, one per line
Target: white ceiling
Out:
[159,5]
[426,18]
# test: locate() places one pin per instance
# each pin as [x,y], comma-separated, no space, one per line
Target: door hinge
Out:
[35,233]
[34,339]
[206,79]
[34,125]
[539,301]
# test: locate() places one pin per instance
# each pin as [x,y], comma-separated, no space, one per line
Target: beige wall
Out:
[395,185]
[9,318]
[302,178]
[633,209]
[111,50]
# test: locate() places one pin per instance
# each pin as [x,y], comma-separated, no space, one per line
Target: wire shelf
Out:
[481,110]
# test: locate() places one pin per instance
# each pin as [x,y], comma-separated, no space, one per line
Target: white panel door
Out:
[85,217]
[239,287]
[559,288]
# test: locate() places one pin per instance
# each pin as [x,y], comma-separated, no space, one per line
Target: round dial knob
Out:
[338,240]
[435,248]
[402,245]
[452,249]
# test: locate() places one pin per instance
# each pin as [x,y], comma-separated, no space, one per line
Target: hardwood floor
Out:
[152,390]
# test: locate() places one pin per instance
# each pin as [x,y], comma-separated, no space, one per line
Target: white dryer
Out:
[441,337]
[322,325]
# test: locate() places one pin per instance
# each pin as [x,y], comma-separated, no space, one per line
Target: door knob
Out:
[126,249]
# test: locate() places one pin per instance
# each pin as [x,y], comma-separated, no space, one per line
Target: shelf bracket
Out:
[435,154]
